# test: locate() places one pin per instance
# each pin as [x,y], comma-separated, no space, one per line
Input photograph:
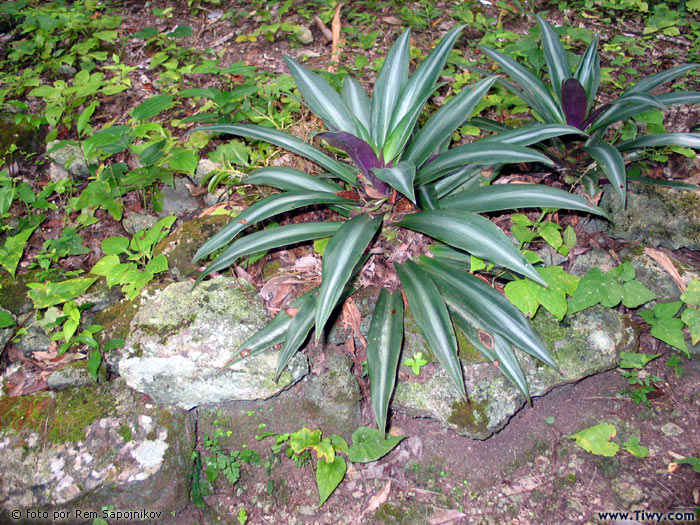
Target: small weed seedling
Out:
[639,379]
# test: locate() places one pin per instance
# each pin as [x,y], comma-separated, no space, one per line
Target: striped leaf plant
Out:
[395,160]
[570,99]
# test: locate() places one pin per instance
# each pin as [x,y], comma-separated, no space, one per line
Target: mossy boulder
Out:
[83,448]
[181,245]
[656,215]
[582,344]
[181,337]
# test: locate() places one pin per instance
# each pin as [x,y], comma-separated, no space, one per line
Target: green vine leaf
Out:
[596,440]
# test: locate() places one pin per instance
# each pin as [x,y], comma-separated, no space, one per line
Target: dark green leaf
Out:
[288,142]
[368,444]
[473,233]
[321,98]
[500,197]
[343,252]
[299,328]
[390,82]
[611,164]
[490,309]
[433,320]
[268,239]
[399,177]
[383,350]
[445,121]
[556,58]
[479,152]
[263,209]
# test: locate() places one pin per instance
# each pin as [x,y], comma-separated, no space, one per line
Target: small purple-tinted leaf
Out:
[361,154]
[574,102]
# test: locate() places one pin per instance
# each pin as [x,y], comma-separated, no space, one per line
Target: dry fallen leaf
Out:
[666,263]
[376,501]
[672,467]
[327,34]
[352,319]
[446,517]
[335,46]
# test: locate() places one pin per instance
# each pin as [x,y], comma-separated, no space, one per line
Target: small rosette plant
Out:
[397,162]
[571,100]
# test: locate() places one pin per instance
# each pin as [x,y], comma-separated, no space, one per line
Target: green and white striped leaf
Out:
[268,239]
[400,133]
[588,72]
[271,334]
[357,100]
[491,310]
[399,177]
[433,320]
[298,331]
[611,164]
[423,79]
[689,140]
[620,112]
[535,92]
[343,252]
[427,197]
[479,152]
[321,98]
[555,56]
[288,142]
[383,350]
[263,209]
[284,178]
[532,134]
[501,351]
[473,233]
[652,81]
[464,179]
[390,82]
[498,197]
[445,121]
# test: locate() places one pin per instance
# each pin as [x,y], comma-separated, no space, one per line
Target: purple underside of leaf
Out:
[361,154]
[574,102]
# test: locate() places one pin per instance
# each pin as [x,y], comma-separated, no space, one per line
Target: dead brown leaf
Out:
[327,34]
[352,319]
[335,46]
[446,517]
[666,263]
[376,501]
[392,20]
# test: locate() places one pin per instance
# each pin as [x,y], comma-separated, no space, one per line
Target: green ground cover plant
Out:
[397,159]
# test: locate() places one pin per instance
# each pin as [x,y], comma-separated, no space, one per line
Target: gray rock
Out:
[181,337]
[671,429]
[34,340]
[74,374]
[204,168]
[183,242]
[69,157]
[177,200]
[83,448]
[304,36]
[655,215]
[66,69]
[138,221]
[627,490]
[583,344]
